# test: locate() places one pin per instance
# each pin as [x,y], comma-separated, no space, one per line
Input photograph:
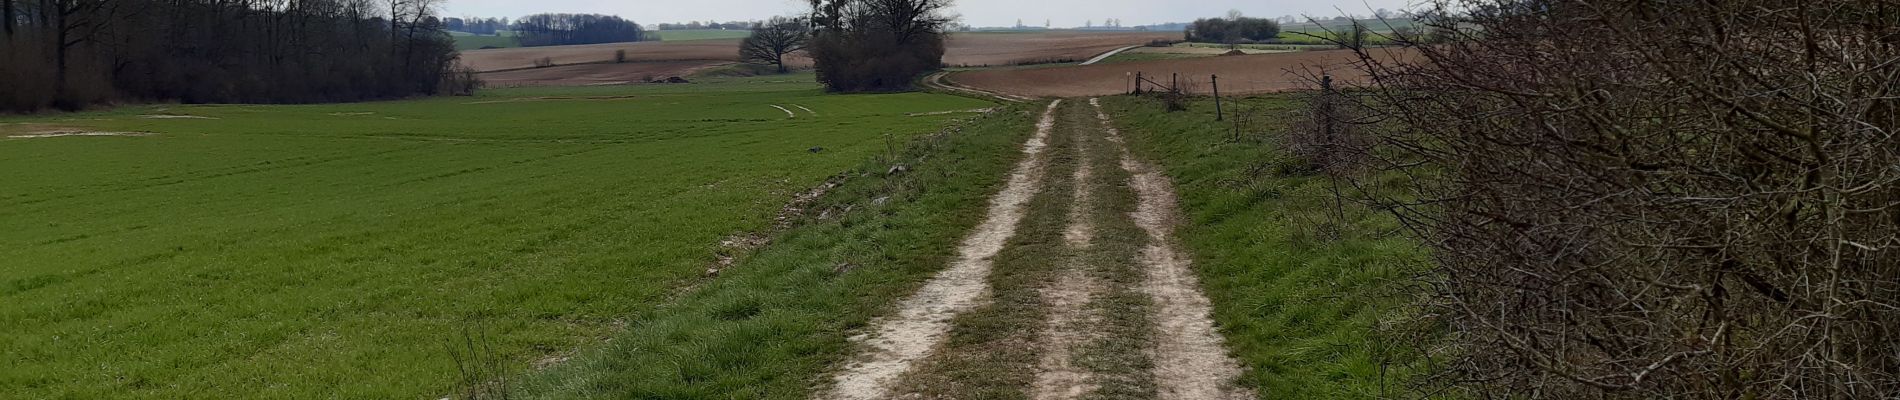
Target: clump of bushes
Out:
[1233,29]
[876,45]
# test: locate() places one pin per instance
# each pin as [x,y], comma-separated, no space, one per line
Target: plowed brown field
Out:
[1002,49]
[1238,74]
[515,66]
[707,51]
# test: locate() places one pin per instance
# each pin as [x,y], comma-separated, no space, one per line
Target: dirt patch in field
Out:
[1260,73]
[932,113]
[173,116]
[66,133]
[922,321]
[597,74]
[746,242]
[1002,49]
[42,131]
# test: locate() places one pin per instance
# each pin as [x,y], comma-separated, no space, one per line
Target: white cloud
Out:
[1061,13]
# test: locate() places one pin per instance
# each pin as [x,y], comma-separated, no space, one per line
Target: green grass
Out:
[469,42]
[335,251]
[1295,293]
[701,34]
[771,326]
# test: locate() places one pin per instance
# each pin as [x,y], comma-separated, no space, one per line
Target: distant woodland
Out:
[69,54]
[566,29]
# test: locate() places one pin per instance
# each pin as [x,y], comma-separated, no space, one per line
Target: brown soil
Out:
[591,64]
[1002,49]
[726,50]
[1238,74]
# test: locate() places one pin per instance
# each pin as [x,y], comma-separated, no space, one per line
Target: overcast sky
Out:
[1062,13]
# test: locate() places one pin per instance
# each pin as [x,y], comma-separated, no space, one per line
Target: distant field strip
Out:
[332,251]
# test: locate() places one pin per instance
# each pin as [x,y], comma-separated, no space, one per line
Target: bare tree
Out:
[73,53]
[772,40]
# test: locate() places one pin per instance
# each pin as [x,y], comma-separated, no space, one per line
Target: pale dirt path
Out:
[1110,53]
[1190,360]
[922,321]
[1069,321]
[940,81]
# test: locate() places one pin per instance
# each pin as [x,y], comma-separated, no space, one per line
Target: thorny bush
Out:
[1652,199]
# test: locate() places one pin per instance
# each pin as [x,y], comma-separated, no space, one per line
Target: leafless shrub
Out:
[1328,136]
[1641,199]
[620,56]
[461,80]
[544,62]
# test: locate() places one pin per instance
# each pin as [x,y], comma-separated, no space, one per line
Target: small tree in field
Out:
[773,39]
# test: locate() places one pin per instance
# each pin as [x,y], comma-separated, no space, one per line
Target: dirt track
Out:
[1238,74]
[922,321]
[1089,338]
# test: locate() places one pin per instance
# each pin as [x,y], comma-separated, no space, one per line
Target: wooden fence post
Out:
[1218,114]
[1138,82]
[1174,83]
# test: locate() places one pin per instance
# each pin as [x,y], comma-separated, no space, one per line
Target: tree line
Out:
[70,54]
[567,29]
[1233,29]
[732,25]
[479,26]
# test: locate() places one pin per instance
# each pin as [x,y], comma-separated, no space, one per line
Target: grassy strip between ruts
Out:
[1300,297]
[777,320]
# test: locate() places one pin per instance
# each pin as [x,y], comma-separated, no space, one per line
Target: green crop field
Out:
[472,42]
[351,250]
[701,34]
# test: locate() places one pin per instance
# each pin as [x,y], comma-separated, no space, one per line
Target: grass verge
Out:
[771,326]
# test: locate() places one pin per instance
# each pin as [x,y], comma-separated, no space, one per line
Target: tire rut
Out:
[922,322]
[1191,361]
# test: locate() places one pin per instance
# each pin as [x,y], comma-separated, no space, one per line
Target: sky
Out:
[1059,13]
